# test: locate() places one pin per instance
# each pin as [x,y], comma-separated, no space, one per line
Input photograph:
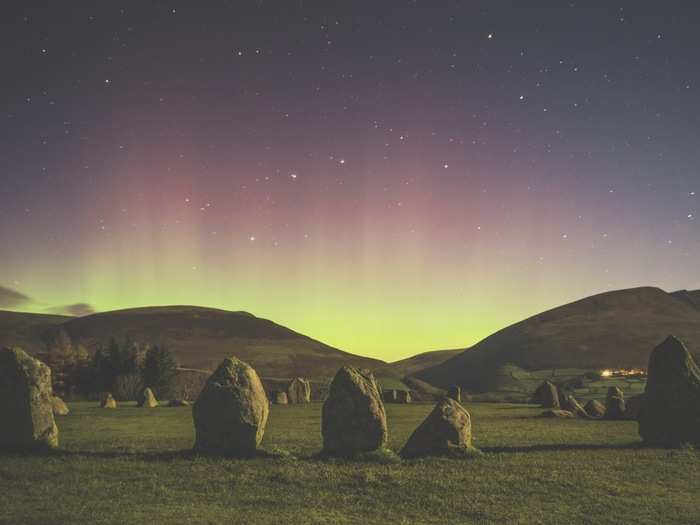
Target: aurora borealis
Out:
[389,178]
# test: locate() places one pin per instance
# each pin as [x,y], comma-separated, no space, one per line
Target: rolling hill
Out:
[616,329]
[198,337]
[27,330]
[416,363]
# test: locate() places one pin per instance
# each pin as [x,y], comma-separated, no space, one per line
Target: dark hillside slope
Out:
[611,330]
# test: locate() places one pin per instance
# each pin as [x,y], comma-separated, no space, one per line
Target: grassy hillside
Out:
[133,466]
[611,330]
[26,330]
[411,365]
[202,337]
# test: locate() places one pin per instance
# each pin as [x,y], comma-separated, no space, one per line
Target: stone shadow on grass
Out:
[562,447]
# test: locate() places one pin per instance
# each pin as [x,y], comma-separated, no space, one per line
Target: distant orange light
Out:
[606,373]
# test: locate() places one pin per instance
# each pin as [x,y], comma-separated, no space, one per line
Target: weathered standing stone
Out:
[614,403]
[59,406]
[25,403]
[455,392]
[595,408]
[231,412]
[447,428]
[281,398]
[108,401]
[299,391]
[353,416]
[547,395]
[570,404]
[403,396]
[389,396]
[555,412]
[147,399]
[670,413]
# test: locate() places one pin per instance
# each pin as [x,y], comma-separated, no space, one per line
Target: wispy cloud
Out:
[10,298]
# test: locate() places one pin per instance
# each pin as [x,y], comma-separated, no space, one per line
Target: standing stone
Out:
[299,391]
[447,429]
[281,398]
[403,396]
[595,409]
[108,401]
[455,392]
[25,403]
[670,413]
[389,396]
[231,412]
[353,417]
[147,399]
[614,403]
[570,404]
[59,406]
[547,395]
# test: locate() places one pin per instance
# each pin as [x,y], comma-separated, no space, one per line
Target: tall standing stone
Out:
[299,391]
[455,392]
[389,396]
[447,428]
[353,416]
[547,395]
[670,413]
[614,403]
[25,403]
[147,399]
[231,412]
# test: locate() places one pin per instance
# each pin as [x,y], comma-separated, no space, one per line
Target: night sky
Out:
[388,177]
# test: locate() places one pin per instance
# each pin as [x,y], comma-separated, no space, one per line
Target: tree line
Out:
[121,367]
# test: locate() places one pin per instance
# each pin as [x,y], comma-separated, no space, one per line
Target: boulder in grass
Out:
[353,416]
[147,399]
[59,406]
[281,398]
[670,413]
[25,403]
[231,412]
[107,401]
[299,391]
[557,413]
[547,395]
[595,409]
[178,403]
[403,396]
[446,430]
[455,392]
[570,404]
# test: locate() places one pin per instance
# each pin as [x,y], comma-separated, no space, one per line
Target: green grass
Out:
[133,466]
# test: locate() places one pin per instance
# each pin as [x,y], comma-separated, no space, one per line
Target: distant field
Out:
[133,466]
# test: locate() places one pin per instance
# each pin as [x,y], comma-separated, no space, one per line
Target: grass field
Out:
[133,466]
